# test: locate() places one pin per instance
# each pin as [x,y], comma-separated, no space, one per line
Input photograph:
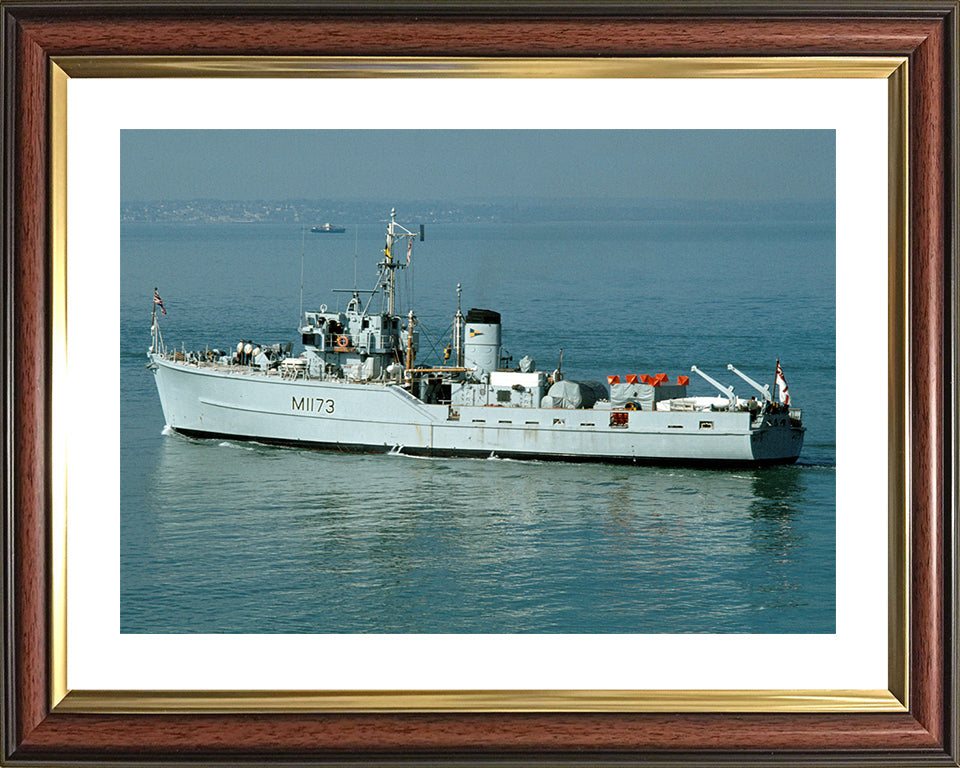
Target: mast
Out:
[389,263]
[394,232]
[410,323]
[458,333]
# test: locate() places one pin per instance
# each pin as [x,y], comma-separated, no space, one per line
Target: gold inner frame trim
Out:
[226,702]
[898,414]
[892,69]
[58,372]
[373,66]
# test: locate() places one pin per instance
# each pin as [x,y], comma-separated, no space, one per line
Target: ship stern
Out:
[778,440]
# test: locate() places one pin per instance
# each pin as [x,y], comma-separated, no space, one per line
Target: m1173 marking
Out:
[311,404]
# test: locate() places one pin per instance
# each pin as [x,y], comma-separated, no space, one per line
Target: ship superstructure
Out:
[358,385]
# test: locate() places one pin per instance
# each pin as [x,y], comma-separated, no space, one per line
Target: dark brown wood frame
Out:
[925,32]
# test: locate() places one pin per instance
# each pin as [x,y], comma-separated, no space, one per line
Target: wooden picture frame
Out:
[36,730]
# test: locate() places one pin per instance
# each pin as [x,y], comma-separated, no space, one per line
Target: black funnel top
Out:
[485,316]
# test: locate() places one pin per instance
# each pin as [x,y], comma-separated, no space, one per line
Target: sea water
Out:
[237,537]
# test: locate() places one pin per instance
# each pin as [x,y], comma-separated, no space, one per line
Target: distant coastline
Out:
[571,211]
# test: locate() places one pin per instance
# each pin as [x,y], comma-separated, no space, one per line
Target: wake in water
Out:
[816,464]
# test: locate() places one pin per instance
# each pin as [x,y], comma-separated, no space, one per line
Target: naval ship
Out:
[358,385]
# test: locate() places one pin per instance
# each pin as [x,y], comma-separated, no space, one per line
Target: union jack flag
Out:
[158,301]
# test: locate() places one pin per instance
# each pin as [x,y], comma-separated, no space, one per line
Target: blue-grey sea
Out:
[232,537]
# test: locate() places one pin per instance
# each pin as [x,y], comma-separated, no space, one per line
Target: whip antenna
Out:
[356,247]
[303,248]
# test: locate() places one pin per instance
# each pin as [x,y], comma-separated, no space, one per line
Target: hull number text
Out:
[312,405]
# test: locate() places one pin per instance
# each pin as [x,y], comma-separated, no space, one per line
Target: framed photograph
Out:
[630,187]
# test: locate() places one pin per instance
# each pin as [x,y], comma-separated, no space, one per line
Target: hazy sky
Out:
[464,164]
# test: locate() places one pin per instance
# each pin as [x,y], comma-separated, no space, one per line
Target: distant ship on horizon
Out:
[328,228]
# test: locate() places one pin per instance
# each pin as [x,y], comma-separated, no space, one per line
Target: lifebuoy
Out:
[342,341]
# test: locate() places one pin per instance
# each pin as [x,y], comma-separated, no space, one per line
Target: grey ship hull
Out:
[210,400]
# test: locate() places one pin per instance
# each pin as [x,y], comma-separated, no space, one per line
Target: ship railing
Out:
[796,416]
[330,341]
[293,368]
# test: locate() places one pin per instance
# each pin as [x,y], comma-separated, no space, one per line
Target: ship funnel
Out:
[481,340]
